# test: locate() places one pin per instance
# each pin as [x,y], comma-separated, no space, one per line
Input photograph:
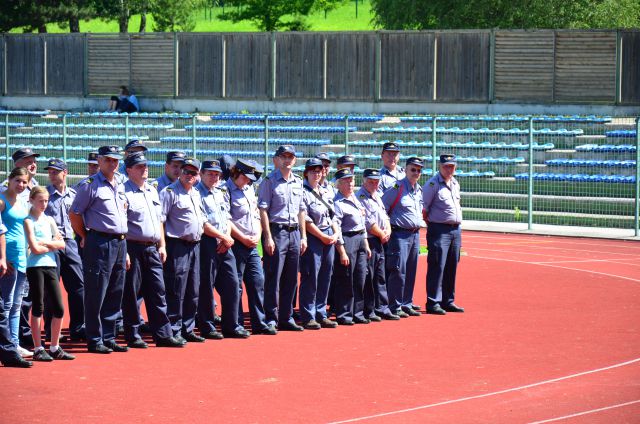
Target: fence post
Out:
[193,134]
[637,208]
[530,179]
[434,149]
[346,134]
[64,137]
[6,145]
[126,129]
[266,144]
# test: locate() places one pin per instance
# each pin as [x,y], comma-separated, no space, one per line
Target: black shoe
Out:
[290,326]
[344,322]
[390,316]
[237,334]
[111,344]
[415,307]
[17,362]
[138,344]
[269,331]
[120,329]
[327,323]
[193,337]
[452,307]
[61,355]
[99,349]
[169,342]
[180,339]
[411,312]
[41,355]
[374,318]
[436,310]
[212,335]
[358,320]
[217,319]
[401,314]
[312,325]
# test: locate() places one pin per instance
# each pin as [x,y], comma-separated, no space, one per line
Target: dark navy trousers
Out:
[376,300]
[182,283]
[104,267]
[403,249]
[349,289]
[281,276]
[444,243]
[249,265]
[217,271]
[70,266]
[316,267]
[144,278]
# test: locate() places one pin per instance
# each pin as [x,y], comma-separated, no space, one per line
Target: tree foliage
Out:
[171,15]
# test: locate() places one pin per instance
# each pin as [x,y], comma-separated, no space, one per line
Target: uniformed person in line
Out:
[345,161]
[133,146]
[283,238]
[350,269]
[92,164]
[376,300]
[258,171]
[99,217]
[172,169]
[61,198]
[226,163]
[443,215]
[325,185]
[217,261]
[390,173]
[246,232]
[316,264]
[403,203]
[146,251]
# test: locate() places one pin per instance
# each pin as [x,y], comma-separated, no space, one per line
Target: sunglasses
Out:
[186,171]
[418,170]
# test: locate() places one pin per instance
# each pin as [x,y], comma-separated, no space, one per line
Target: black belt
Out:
[352,233]
[144,243]
[193,242]
[289,228]
[445,224]
[108,235]
[411,230]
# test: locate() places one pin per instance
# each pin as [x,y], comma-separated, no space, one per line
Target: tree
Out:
[175,15]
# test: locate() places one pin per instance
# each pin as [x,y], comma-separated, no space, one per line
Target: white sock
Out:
[38,348]
[53,348]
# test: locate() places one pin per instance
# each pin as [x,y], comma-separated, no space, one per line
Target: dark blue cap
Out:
[175,155]
[246,169]
[390,147]
[92,157]
[312,163]
[323,156]
[346,160]
[58,164]
[25,152]
[374,174]
[415,161]
[134,159]
[133,144]
[110,152]
[285,148]
[448,158]
[343,173]
[210,165]
[191,162]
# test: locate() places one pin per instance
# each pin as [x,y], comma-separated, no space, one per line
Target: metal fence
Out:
[480,66]
[580,171]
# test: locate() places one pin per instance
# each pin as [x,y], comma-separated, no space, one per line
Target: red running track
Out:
[550,335]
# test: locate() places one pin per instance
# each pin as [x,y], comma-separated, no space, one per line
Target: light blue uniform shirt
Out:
[349,213]
[143,216]
[244,208]
[161,182]
[317,212]
[374,210]
[442,202]
[407,212]
[182,212]
[43,232]
[58,209]
[281,198]
[388,178]
[103,206]
[216,206]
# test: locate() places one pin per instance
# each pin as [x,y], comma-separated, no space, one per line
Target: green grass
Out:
[341,19]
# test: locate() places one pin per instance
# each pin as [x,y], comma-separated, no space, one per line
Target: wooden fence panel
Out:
[523,66]
[108,63]
[248,60]
[351,66]
[65,65]
[406,66]
[463,66]
[25,65]
[153,64]
[200,65]
[299,65]
[630,81]
[585,66]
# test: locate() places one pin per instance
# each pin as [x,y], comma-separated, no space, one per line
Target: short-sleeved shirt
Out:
[374,210]
[282,199]
[215,206]
[161,182]
[349,213]
[442,201]
[389,178]
[58,209]
[317,212]
[244,208]
[182,212]
[143,216]
[102,205]
[407,211]
[43,232]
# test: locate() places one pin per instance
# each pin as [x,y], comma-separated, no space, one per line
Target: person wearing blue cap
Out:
[172,170]
[69,262]
[443,215]
[390,173]
[316,264]
[99,217]
[403,203]
[133,146]
[146,251]
[376,300]
[217,262]
[92,164]
[284,239]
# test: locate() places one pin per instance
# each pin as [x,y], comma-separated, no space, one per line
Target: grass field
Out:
[341,19]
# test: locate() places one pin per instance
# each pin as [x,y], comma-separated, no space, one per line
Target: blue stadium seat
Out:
[581,178]
[238,140]
[272,128]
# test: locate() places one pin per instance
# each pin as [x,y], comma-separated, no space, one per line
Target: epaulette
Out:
[297,176]
[431,183]
[362,196]
[154,183]
[168,188]
[87,180]
[6,183]
[396,186]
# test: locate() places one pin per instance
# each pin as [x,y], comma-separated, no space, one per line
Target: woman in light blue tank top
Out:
[12,284]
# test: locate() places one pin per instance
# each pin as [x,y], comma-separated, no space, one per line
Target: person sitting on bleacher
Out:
[124,102]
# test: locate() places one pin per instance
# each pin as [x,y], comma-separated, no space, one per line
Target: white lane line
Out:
[591,411]
[500,392]
[556,266]
[516,252]
[598,252]
[577,261]
[623,244]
